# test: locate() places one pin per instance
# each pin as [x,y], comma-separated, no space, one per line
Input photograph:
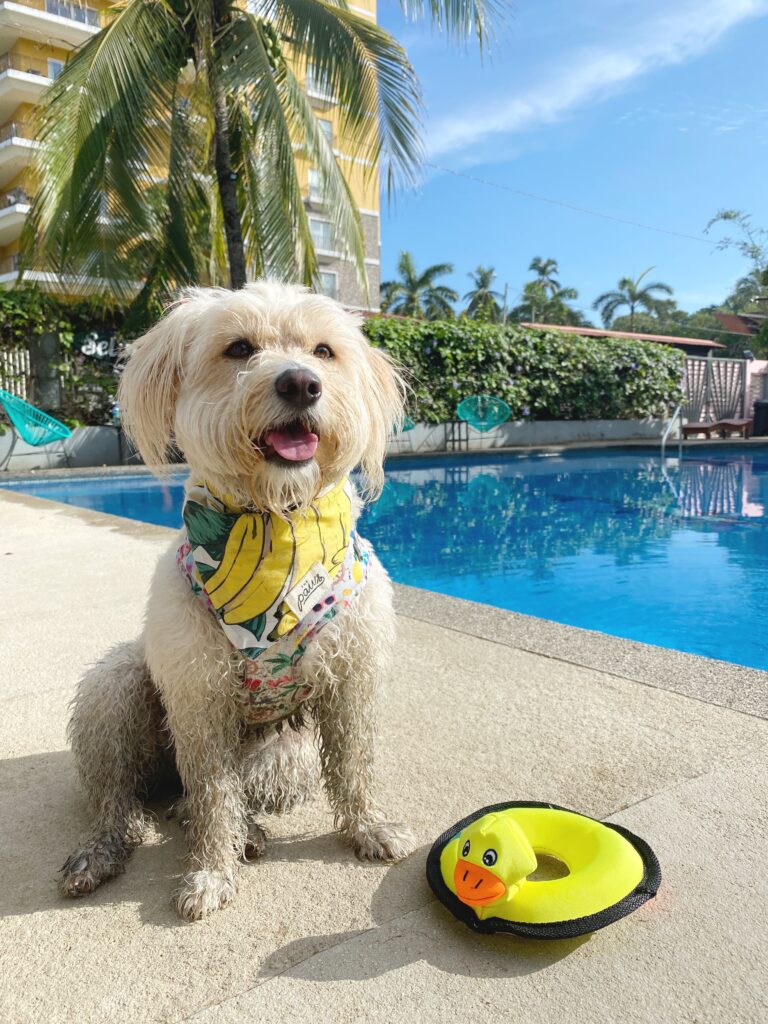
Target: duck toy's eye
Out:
[465,849]
[489,858]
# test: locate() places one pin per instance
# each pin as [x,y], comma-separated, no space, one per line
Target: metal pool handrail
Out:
[676,415]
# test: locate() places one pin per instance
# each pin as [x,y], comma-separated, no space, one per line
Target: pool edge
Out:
[722,683]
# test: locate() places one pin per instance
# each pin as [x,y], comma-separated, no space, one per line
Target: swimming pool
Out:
[606,540]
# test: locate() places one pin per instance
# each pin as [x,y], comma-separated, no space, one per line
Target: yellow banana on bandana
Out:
[272,580]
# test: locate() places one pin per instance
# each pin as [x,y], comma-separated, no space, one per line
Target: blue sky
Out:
[651,111]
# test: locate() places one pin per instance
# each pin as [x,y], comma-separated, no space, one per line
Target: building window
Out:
[322,234]
[316,191]
[326,127]
[317,86]
[329,284]
[55,67]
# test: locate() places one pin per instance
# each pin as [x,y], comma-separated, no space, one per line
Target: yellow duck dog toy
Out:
[480,870]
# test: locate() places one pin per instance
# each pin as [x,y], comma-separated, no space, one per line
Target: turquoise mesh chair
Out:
[483,412]
[402,428]
[31,425]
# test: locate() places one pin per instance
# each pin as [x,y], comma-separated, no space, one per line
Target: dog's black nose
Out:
[299,387]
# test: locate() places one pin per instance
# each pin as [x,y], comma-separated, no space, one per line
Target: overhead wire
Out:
[568,206]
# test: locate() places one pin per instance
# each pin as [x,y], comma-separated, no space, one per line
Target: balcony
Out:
[16,147]
[23,80]
[318,89]
[56,22]
[14,207]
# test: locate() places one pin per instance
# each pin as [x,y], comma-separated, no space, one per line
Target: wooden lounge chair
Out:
[700,428]
[736,426]
[721,428]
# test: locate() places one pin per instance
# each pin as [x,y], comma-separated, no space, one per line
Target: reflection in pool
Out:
[610,540]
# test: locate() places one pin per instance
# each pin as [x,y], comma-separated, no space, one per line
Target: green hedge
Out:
[540,374]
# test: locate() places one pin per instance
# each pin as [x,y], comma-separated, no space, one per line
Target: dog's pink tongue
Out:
[292,445]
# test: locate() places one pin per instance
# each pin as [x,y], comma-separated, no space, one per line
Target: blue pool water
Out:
[606,540]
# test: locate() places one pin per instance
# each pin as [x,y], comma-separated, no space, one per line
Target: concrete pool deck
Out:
[483,706]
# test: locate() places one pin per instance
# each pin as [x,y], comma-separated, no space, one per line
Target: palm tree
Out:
[548,307]
[631,293]
[482,301]
[169,142]
[546,273]
[746,290]
[416,293]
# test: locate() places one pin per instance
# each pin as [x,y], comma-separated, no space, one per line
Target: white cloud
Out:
[587,74]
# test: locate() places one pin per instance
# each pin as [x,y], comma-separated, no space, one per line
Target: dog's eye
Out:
[323,352]
[240,349]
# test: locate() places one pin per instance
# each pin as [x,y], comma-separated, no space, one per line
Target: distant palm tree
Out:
[482,301]
[540,306]
[631,293]
[746,290]
[546,273]
[416,293]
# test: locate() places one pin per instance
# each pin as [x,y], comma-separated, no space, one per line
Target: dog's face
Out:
[270,392]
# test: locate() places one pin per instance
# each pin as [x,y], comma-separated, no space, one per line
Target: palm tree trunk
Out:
[631,316]
[226,178]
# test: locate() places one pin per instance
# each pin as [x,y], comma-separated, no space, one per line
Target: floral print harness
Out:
[272,582]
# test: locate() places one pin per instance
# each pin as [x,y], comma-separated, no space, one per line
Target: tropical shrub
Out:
[540,374]
[88,384]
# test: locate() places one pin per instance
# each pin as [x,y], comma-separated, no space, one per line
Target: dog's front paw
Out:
[102,857]
[202,892]
[381,840]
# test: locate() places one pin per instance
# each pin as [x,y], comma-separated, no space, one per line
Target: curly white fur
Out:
[175,691]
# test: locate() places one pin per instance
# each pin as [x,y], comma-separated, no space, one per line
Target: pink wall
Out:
[756,374]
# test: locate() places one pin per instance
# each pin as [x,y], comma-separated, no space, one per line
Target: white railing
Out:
[74,12]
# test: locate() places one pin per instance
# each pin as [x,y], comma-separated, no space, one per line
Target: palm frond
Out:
[104,123]
[274,119]
[370,76]
[459,19]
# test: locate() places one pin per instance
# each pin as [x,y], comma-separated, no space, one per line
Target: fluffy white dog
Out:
[270,620]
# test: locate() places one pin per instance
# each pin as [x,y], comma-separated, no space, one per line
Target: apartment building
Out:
[37,36]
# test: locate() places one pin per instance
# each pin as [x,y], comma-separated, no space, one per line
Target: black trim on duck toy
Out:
[478,870]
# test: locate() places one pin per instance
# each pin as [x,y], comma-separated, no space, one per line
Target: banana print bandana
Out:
[272,583]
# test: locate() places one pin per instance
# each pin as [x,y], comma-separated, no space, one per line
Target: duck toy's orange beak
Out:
[476,885]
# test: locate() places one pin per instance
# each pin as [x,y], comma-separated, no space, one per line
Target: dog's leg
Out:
[192,663]
[280,770]
[205,731]
[349,660]
[115,736]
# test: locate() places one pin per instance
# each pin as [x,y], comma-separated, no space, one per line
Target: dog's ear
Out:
[386,408]
[149,385]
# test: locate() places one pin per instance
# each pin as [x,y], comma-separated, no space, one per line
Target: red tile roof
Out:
[742,323]
[664,339]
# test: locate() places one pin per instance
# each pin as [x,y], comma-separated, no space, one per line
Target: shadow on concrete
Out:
[411,926]
[43,815]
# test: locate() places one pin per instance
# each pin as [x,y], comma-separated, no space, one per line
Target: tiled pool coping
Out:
[521,451]
[713,682]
